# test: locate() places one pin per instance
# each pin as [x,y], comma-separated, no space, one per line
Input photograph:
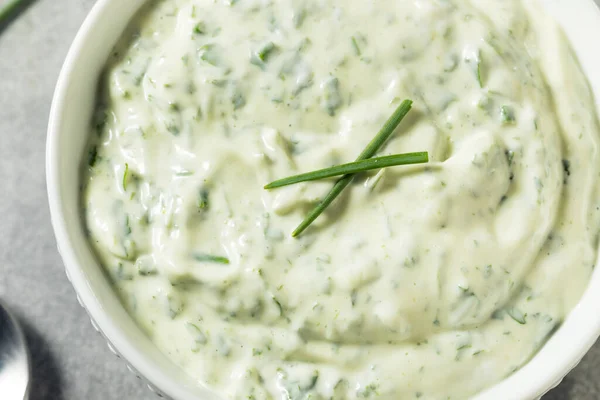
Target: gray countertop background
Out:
[70,360]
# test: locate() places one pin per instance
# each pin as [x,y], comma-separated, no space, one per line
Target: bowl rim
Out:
[527,383]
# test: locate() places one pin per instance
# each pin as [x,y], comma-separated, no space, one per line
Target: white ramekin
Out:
[68,130]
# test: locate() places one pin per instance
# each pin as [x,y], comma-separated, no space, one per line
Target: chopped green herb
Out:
[567,170]
[299,17]
[209,53]
[353,297]
[125,176]
[92,156]
[184,173]
[538,184]
[198,115]
[238,100]
[451,63]
[487,271]
[304,44]
[100,121]
[517,315]
[510,155]
[219,82]
[172,128]
[279,306]
[507,115]
[368,391]
[355,46]
[198,336]
[146,266]
[191,88]
[200,28]
[475,62]
[209,258]
[121,274]
[313,381]
[130,248]
[137,81]
[223,347]
[266,50]
[126,225]
[332,98]
[203,202]
[262,54]
[386,131]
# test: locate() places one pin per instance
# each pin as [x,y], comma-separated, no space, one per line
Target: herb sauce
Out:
[429,282]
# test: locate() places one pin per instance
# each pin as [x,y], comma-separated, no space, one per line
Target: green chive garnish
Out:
[386,131]
[353,168]
[203,257]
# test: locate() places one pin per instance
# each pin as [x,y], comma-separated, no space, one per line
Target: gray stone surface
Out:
[70,360]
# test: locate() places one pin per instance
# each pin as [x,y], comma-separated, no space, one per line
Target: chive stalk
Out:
[353,168]
[386,131]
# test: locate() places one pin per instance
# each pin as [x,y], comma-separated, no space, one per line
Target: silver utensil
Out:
[14,358]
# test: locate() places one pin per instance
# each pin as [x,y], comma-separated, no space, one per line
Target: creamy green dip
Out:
[419,282]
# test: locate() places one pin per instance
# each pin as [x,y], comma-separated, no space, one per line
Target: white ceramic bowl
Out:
[68,130]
